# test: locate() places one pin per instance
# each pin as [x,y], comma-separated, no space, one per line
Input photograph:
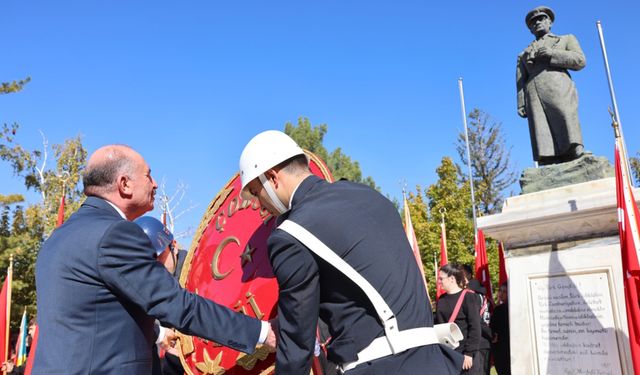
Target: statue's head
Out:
[539,20]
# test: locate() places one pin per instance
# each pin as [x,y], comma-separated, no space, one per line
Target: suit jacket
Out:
[99,288]
[363,228]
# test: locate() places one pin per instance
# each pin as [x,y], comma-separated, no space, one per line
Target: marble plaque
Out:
[573,324]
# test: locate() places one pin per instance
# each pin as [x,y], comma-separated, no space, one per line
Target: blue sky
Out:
[187,84]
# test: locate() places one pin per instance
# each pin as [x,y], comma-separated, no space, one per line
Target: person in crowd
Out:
[461,306]
[9,367]
[485,316]
[340,252]
[100,289]
[500,328]
[168,255]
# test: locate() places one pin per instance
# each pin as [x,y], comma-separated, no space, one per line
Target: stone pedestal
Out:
[566,294]
[586,168]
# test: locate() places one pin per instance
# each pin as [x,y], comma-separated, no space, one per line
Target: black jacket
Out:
[363,228]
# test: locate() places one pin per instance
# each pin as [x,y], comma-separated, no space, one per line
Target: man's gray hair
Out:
[100,177]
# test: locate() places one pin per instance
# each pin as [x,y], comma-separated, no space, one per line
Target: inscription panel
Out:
[573,325]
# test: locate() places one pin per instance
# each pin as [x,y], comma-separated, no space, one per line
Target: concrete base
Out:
[566,295]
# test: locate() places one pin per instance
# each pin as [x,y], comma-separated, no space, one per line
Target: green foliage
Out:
[634,165]
[341,165]
[21,160]
[451,197]
[15,86]
[24,228]
[491,167]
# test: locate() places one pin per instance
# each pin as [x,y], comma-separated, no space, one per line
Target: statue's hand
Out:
[543,53]
[522,112]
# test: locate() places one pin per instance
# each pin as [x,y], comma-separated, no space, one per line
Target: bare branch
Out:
[45,154]
[171,204]
[185,233]
[191,207]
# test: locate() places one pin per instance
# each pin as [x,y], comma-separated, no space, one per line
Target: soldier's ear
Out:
[271,175]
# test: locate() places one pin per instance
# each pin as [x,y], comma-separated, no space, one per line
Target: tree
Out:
[15,86]
[634,165]
[171,206]
[491,167]
[27,225]
[310,138]
[452,197]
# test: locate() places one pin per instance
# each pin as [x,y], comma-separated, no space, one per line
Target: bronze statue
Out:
[547,96]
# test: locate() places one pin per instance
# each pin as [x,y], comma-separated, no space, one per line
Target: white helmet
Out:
[263,152]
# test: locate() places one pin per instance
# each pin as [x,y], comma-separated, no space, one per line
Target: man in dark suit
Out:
[364,229]
[100,288]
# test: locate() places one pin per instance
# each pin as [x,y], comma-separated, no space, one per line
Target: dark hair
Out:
[295,165]
[455,270]
[101,177]
[468,271]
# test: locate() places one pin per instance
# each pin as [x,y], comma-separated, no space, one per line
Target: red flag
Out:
[32,352]
[503,277]
[443,257]
[629,245]
[482,266]
[5,313]
[411,236]
[61,209]
[438,284]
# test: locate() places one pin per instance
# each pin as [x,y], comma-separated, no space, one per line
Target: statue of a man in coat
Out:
[547,96]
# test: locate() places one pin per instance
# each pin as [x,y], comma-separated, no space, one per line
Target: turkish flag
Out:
[5,308]
[443,258]
[411,236]
[61,210]
[503,277]
[32,353]
[629,245]
[482,266]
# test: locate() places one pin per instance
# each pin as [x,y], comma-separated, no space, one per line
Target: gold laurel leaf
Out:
[186,344]
[210,367]
[248,362]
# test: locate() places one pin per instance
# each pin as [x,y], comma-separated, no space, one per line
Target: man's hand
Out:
[522,112]
[7,367]
[169,340]
[468,362]
[271,340]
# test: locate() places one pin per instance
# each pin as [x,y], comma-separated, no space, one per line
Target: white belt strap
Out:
[394,341]
[448,334]
[319,248]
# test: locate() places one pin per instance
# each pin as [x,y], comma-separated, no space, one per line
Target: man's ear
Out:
[123,184]
[272,175]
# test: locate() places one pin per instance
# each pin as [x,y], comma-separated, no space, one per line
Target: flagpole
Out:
[608,71]
[466,138]
[616,123]
[443,234]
